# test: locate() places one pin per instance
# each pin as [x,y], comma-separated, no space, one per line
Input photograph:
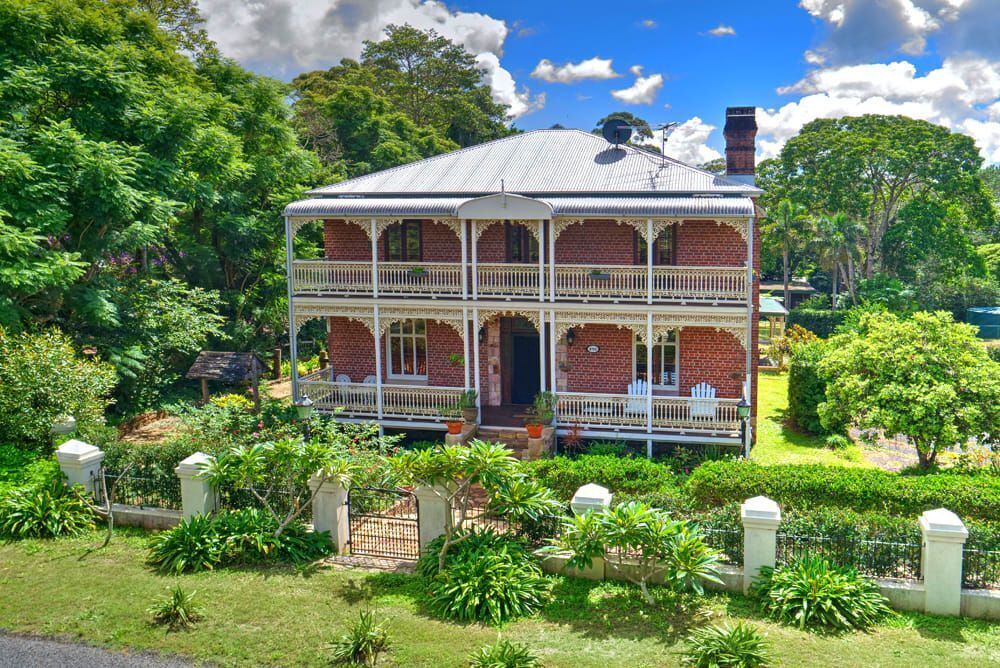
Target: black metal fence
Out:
[282,501]
[874,558]
[727,541]
[384,523]
[142,491]
[980,568]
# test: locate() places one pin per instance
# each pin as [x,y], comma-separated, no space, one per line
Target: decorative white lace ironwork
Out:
[534,226]
[662,322]
[529,315]
[306,312]
[454,224]
[451,317]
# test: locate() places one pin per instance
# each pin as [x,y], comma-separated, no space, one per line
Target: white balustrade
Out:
[419,278]
[326,277]
[398,401]
[508,280]
[623,410]
[605,282]
[700,283]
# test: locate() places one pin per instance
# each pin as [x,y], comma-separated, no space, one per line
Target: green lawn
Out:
[286,618]
[778,443]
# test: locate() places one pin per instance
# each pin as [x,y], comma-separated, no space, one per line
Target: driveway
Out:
[33,652]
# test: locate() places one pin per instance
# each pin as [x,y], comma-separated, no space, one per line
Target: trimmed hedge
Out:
[621,475]
[818,321]
[816,486]
[806,390]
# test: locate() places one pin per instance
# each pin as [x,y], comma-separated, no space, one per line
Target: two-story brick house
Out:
[547,260]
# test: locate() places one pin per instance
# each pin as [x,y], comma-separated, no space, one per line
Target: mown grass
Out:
[778,443]
[287,617]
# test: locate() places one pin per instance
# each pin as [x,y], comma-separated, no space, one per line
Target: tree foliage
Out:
[926,377]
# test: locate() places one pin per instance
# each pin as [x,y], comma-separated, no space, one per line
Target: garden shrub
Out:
[42,376]
[812,593]
[820,322]
[726,646]
[176,610]
[837,442]
[362,645]
[234,538]
[504,654]
[46,512]
[612,448]
[619,474]
[806,390]
[20,469]
[487,578]
[861,489]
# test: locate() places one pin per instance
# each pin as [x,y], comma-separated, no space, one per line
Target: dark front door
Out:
[525,380]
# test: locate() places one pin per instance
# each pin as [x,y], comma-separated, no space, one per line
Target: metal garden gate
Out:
[384,523]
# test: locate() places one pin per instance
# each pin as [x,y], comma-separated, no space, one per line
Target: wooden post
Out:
[276,362]
[204,390]
[255,390]
[323,363]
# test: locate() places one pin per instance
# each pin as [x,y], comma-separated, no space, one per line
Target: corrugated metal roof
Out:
[541,162]
[694,207]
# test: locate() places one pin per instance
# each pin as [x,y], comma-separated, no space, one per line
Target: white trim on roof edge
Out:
[504,206]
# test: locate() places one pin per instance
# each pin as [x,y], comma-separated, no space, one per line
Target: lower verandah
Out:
[423,370]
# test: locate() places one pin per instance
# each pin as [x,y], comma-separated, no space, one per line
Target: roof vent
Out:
[617,131]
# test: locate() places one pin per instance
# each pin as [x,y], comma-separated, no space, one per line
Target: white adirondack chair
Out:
[343,394]
[703,408]
[637,397]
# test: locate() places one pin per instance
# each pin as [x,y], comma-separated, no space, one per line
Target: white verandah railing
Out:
[629,411]
[398,401]
[572,281]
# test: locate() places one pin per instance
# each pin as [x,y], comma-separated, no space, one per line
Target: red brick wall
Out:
[440,243]
[492,244]
[350,348]
[345,242]
[703,243]
[442,341]
[607,371]
[596,242]
[713,357]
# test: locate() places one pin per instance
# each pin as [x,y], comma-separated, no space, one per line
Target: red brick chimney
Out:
[740,133]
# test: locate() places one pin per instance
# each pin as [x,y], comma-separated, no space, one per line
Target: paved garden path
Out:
[32,652]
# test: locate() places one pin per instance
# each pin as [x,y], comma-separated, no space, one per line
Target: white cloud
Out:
[814,57]
[862,29]
[504,88]
[722,30]
[687,142]
[642,91]
[648,23]
[285,37]
[962,94]
[592,68]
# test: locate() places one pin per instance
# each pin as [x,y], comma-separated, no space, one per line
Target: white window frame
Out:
[396,374]
[677,361]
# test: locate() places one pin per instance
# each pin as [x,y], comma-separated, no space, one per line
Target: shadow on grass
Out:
[596,610]
[949,629]
[790,434]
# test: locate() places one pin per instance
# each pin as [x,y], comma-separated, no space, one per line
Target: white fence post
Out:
[761,517]
[330,512]
[432,513]
[197,496]
[81,463]
[944,537]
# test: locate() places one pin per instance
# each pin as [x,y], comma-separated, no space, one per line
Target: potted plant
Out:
[545,407]
[452,419]
[599,275]
[418,272]
[533,423]
[467,402]
[456,359]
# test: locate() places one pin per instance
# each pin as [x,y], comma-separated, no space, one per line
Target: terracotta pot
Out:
[534,430]
[470,415]
[454,426]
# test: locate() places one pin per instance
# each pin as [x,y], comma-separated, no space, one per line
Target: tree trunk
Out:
[834,287]
[784,267]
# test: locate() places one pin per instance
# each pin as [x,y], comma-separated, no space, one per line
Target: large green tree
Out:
[874,168]
[131,155]
[783,228]
[926,377]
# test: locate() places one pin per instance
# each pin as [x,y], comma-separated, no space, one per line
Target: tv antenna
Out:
[664,127]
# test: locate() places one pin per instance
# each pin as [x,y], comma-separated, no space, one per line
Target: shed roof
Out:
[542,162]
[771,307]
[228,367]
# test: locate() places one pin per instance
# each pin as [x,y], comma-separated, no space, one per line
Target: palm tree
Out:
[784,228]
[836,245]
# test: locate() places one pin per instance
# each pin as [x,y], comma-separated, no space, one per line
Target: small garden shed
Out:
[230,368]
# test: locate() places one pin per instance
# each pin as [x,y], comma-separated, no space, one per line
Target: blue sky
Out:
[679,61]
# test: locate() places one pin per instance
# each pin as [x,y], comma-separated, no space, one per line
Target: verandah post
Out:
[649,381]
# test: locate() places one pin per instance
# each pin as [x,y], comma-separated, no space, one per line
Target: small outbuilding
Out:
[230,368]
[775,313]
